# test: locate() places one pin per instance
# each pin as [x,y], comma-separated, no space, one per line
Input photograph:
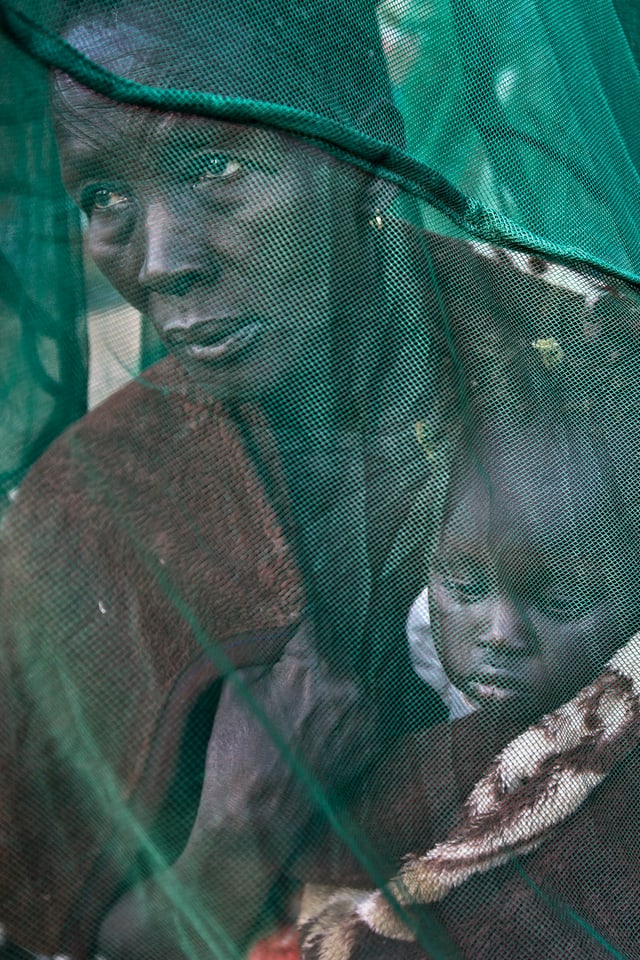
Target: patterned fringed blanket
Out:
[540,779]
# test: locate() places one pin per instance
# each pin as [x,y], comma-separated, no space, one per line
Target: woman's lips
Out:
[213,342]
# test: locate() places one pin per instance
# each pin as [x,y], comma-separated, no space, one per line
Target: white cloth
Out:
[426,661]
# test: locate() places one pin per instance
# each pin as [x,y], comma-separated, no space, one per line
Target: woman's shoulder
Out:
[135,440]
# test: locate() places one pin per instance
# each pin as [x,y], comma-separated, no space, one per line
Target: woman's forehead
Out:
[143,54]
[322,56]
[89,126]
[76,107]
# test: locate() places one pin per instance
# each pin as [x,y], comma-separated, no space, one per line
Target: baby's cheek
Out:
[458,631]
[575,659]
[589,644]
[469,625]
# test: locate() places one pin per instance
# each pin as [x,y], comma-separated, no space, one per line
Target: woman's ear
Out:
[384,122]
[380,194]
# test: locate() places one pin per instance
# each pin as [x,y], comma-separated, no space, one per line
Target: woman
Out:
[229,509]
[258,500]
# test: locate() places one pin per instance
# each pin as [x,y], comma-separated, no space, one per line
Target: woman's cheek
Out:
[121,265]
[107,246]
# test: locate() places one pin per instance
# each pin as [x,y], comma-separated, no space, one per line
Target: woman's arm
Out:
[284,739]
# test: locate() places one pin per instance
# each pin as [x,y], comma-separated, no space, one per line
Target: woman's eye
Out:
[101,198]
[217,167]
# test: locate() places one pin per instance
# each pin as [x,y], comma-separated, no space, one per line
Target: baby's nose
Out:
[508,628]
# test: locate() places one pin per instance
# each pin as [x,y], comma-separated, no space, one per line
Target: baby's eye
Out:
[465,585]
[101,198]
[565,605]
[564,609]
[466,590]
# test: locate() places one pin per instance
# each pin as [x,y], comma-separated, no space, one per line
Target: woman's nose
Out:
[175,257]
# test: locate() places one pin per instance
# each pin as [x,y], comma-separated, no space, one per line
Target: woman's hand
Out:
[283,736]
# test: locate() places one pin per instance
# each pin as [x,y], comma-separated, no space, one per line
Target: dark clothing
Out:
[149,553]
[142,560]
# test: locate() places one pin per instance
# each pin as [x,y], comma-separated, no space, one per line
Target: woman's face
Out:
[236,241]
[531,587]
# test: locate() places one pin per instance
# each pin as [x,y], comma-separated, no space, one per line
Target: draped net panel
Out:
[320,631]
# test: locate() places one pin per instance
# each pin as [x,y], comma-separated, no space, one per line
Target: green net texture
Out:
[319,569]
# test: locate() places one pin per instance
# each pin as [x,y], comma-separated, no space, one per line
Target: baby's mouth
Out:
[489,691]
[495,687]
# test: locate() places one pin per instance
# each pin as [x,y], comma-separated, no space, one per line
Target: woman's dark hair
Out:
[322,56]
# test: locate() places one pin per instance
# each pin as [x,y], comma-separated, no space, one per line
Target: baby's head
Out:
[534,579]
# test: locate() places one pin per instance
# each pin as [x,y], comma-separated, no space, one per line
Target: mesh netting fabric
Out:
[319,633]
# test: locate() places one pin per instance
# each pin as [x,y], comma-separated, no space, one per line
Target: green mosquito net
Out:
[320,479]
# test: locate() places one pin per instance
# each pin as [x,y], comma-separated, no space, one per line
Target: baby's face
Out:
[532,582]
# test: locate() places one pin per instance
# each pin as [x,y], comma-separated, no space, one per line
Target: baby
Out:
[533,587]
[531,581]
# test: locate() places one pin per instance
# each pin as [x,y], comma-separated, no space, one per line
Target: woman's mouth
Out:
[212,346]
[214,341]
